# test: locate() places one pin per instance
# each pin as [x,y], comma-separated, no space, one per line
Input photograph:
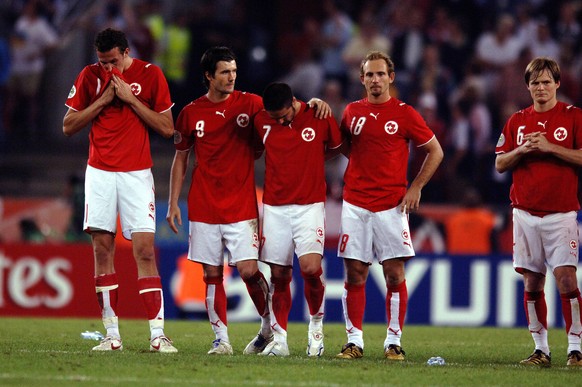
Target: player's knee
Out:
[567,283]
[247,269]
[566,278]
[144,255]
[394,280]
[312,269]
[103,254]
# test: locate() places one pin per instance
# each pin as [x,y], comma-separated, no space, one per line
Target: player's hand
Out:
[174,217]
[122,89]
[411,200]
[108,94]
[322,108]
[538,141]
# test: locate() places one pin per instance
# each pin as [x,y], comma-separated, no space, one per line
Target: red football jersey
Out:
[380,134]
[223,179]
[119,139]
[542,183]
[295,156]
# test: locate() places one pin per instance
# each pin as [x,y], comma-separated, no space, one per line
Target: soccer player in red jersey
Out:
[222,203]
[295,143]
[377,199]
[121,97]
[541,145]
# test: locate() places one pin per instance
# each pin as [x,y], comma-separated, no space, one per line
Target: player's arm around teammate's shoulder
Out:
[322,108]
[335,141]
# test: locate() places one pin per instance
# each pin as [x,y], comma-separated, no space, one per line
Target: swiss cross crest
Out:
[243,120]
[135,88]
[319,232]
[308,134]
[391,127]
[405,235]
[560,134]
[573,244]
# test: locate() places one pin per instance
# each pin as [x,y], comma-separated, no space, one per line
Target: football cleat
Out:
[109,343]
[538,358]
[275,348]
[220,347]
[315,344]
[574,359]
[394,352]
[257,345]
[350,351]
[162,344]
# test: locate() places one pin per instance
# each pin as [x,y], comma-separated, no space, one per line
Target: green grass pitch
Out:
[51,352]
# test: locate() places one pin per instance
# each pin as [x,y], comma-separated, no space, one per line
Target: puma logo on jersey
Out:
[221,113]
[543,124]
[375,115]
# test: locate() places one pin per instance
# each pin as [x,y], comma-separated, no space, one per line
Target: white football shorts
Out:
[208,242]
[289,229]
[552,239]
[131,194]
[365,234]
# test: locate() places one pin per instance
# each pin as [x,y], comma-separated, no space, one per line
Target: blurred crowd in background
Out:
[459,63]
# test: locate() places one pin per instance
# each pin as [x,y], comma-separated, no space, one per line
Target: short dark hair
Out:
[538,65]
[109,39]
[211,57]
[277,96]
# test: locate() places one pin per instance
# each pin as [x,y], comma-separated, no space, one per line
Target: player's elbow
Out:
[168,132]
[439,154]
[165,127]
[500,167]
[70,124]
[436,153]
[67,130]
